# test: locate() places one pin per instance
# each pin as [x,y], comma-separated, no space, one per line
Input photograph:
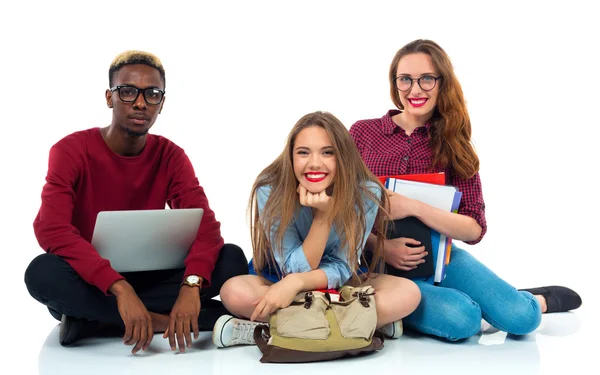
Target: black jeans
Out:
[53,282]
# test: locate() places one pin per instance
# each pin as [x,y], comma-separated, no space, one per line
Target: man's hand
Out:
[278,296]
[183,316]
[321,201]
[137,320]
[403,257]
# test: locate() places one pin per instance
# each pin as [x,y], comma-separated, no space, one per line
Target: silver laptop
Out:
[145,240]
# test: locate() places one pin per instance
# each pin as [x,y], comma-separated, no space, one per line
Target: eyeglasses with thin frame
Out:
[426,83]
[129,94]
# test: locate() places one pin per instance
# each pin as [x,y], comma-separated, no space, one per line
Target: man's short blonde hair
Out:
[134,57]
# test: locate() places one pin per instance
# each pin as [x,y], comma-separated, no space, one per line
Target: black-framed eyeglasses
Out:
[129,94]
[426,83]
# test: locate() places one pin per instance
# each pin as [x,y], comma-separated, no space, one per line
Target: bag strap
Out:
[259,338]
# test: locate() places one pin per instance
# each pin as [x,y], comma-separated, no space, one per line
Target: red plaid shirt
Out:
[387,150]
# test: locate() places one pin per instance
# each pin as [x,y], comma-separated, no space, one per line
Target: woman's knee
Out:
[230,290]
[446,313]
[409,293]
[415,294]
[396,297]
[521,318]
[236,294]
[463,321]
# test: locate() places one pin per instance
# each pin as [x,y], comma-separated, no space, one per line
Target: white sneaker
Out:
[487,327]
[230,331]
[392,330]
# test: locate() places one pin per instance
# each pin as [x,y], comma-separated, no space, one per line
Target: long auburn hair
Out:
[450,134]
[349,191]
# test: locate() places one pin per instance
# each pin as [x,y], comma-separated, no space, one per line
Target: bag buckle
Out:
[363,297]
[308,299]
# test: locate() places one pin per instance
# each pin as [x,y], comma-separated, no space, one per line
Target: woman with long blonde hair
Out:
[430,131]
[312,211]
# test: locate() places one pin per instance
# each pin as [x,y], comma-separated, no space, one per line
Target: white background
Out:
[241,73]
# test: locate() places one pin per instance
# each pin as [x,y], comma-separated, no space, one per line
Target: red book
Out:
[431,178]
[334,294]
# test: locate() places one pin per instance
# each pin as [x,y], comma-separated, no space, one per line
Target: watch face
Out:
[193,279]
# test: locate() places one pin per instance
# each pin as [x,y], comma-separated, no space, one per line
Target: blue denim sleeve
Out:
[337,270]
[291,258]
[335,264]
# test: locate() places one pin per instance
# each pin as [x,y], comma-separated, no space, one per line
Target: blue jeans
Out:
[453,310]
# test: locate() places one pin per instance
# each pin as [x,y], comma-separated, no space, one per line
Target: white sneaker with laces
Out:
[392,330]
[230,331]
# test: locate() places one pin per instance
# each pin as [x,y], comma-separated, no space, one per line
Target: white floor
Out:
[564,344]
[559,345]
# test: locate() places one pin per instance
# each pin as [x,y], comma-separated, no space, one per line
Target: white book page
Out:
[440,196]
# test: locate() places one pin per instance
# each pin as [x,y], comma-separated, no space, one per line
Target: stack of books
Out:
[429,188]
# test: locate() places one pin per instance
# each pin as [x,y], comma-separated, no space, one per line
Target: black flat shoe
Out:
[73,330]
[558,298]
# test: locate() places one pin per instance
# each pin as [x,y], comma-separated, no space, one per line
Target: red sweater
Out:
[86,177]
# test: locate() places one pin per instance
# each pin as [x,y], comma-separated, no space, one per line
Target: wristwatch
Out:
[191,280]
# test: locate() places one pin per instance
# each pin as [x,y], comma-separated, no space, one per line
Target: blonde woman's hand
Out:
[279,295]
[320,201]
